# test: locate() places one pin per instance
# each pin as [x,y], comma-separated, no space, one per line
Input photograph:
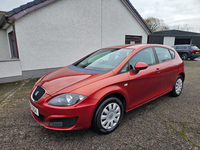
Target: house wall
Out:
[64,31]
[117,21]
[4,49]
[10,68]
[58,34]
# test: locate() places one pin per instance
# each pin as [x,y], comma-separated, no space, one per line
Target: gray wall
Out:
[64,31]
[4,49]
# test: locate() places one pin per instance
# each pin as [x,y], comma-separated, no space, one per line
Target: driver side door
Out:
[144,85]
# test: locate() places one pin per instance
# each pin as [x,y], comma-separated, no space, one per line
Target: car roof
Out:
[185,45]
[136,46]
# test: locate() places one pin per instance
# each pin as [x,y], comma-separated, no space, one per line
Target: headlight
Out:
[67,99]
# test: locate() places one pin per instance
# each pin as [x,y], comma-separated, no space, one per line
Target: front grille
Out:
[37,93]
[63,122]
[40,117]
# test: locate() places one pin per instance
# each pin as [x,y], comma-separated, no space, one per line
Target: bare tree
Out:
[156,24]
[184,27]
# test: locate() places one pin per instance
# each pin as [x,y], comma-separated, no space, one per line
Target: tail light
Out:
[193,51]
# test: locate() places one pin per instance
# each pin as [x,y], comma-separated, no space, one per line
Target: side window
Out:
[125,68]
[163,54]
[172,53]
[180,47]
[131,39]
[13,47]
[145,55]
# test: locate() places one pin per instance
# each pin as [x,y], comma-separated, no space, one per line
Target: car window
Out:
[172,53]
[145,55]
[125,68]
[163,54]
[194,48]
[103,55]
[180,47]
[104,60]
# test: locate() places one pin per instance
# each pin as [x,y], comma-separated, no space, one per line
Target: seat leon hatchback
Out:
[98,89]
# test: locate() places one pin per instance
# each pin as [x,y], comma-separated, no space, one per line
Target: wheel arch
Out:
[118,95]
[183,75]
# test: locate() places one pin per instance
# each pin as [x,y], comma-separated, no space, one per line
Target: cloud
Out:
[173,12]
[7,5]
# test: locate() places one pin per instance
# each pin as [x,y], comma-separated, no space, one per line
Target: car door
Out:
[145,84]
[180,49]
[168,67]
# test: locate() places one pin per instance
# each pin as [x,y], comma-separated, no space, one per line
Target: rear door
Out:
[168,67]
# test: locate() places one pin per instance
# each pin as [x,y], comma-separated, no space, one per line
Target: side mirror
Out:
[140,66]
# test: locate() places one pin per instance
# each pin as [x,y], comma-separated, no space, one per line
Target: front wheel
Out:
[178,86]
[108,115]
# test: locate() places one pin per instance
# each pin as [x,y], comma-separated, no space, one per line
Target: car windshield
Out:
[104,60]
[194,48]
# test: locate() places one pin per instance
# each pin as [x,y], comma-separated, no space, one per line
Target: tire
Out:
[184,57]
[178,86]
[108,115]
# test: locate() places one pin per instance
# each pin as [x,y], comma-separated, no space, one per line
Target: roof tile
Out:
[10,13]
[23,7]
[17,10]
[30,4]
[37,1]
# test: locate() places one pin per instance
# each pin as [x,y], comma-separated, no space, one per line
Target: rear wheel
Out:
[108,115]
[178,86]
[184,57]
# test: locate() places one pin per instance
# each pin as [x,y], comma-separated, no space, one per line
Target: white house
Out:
[44,35]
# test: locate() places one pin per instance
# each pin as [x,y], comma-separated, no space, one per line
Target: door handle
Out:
[158,70]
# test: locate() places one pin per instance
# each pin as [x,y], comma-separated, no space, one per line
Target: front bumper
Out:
[78,116]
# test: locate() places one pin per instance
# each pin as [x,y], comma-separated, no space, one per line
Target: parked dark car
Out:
[187,51]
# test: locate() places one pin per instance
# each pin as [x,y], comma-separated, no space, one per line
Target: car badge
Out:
[36,93]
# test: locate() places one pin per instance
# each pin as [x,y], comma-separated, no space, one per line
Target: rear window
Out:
[194,48]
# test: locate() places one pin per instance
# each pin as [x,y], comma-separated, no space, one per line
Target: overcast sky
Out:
[172,12]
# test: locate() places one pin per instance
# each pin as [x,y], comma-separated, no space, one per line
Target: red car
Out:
[98,89]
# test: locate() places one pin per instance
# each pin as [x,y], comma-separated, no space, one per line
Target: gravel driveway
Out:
[165,123]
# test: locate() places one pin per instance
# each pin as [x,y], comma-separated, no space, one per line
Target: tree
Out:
[184,27]
[156,24]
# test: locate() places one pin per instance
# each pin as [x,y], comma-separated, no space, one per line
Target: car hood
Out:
[66,80]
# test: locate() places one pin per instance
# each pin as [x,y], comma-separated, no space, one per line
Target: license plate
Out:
[197,52]
[34,109]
